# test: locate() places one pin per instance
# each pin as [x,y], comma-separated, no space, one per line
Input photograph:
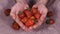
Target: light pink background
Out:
[6,22]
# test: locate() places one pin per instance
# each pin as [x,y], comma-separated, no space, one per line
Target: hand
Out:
[43,11]
[14,13]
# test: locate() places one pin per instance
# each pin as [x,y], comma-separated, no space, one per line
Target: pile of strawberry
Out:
[29,17]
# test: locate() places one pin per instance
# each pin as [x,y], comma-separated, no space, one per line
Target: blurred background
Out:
[6,21]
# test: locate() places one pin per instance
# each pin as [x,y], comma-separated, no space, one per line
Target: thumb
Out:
[35,6]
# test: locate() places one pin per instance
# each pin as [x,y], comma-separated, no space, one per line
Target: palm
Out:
[14,13]
[43,10]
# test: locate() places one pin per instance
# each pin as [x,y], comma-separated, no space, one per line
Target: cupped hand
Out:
[43,11]
[14,13]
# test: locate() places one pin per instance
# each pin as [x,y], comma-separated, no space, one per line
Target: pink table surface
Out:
[6,22]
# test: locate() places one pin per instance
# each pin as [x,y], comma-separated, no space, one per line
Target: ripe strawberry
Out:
[37,15]
[28,13]
[34,10]
[21,15]
[49,14]
[24,20]
[32,17]
[29,23]
[50,21]
[15,26]
[7,12]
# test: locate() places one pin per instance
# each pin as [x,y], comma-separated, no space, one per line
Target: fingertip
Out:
[34,6]
[35,26]
[25,28]
[30,28]
[26,6]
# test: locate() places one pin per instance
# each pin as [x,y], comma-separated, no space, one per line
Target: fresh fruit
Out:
[34,10]
[7,12]
[24,20]
[21,15]
[28,17]
[32,17]
[49,14]
[15,26]
[50,21]
[29,23]
[37,15]
[28,13]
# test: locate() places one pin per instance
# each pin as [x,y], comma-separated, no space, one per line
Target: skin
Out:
[14,14]
[43,10]
[22,5]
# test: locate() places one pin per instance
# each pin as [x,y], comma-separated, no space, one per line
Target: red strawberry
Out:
[37,15]
[29,23]
[21,15]
[24,20]
[34,10]
[50,21]
[28,13]
[15,26]
[7,12]
[49,14]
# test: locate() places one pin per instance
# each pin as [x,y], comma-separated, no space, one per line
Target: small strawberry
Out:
[37,15]
[15,26]
[29,23]
[21,15]
[49,14]
[34,10]
[7,12]
[24,20]
[28,13]
[32,17]
[50,21]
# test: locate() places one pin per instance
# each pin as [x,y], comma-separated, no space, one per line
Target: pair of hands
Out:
[20,7]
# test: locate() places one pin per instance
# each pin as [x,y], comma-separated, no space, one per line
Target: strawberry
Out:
[24,20]
[32,17]
[28,13]
[37,15]
[34,10]
[29,23]
[50,21]
[21,15]
[7,12]
[49,14]
[15,26]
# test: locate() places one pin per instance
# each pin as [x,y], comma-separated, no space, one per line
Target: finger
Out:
[42,18]
[21,8]
[12,13]
[35,26]
[43,11]
[34,6]
[41,8]
[17,19]
[20,24]
[30,28]
[39,23]
[26,6]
